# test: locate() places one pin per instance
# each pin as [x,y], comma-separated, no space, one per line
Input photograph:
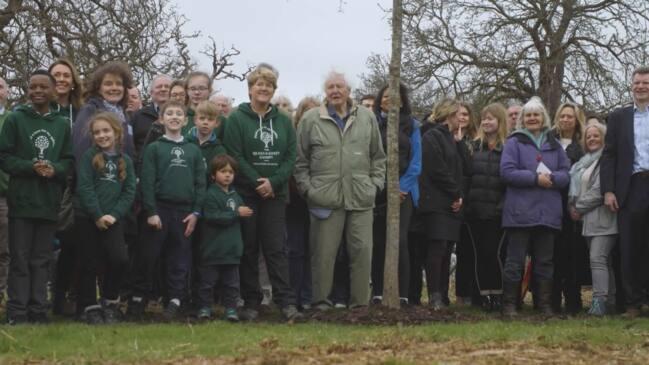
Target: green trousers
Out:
[326,235]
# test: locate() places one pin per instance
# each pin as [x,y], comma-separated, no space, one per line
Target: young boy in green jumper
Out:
[36,152]
[221,245]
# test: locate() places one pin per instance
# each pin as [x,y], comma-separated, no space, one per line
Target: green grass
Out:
[73,342]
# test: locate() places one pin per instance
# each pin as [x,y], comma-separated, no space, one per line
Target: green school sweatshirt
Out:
[263,147]
[4,178]
[28,136]
[221,242]
[174,173]
[210,148]
[101,192]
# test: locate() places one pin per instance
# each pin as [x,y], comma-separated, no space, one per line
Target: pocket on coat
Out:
[363,191]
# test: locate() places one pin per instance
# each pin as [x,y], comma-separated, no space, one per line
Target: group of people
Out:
[183,198]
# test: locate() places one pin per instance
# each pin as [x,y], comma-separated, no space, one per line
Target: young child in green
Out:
[173,187]
[36,152]
[221,245]
[104,196]
[203,133]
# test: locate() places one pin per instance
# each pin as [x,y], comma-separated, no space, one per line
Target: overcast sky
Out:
[303,39]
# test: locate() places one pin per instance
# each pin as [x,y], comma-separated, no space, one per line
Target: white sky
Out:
[303,39]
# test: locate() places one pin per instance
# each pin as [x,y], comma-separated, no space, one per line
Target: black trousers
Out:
[265,232]
[99,248]
[570,259]
[297,237]
[30,247]
[209,275]
[178,254]
[540,243]
[465,270]
[633,223]
[418,248]
[488,240]
[435,267]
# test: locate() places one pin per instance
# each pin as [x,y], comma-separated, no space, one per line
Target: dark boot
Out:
[511,292]
[545,297]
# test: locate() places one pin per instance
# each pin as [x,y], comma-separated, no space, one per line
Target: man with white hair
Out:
[4,182]
[340,167]
[143,118]
[223,104]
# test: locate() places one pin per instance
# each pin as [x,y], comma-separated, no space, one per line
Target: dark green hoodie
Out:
[4,178]
[101,192]
[221,242]
[174,173]
[263,147]
[28,136]
[210,148]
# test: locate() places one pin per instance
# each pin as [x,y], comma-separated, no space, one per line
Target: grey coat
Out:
[598,219]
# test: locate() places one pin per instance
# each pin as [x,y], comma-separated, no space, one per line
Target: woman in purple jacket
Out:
[535,168]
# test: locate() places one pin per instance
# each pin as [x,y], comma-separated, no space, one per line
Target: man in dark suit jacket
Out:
[625,184]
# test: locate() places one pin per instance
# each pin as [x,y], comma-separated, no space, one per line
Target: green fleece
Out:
[221,242]
[263,147]
[210,148]
[4,178]
[190,121]
[101,192]
[26,137]
[172,172]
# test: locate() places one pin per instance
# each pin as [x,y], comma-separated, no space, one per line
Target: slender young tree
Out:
[391,268]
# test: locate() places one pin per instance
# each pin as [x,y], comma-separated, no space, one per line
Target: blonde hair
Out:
[499,112]
[444,109]
[535,104]
[580,121]
[471,129]
[602,130]
[262,73]
[99,161]
[208,109]
[305,105]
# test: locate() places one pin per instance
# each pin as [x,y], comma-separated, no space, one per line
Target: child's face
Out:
[112,88]
[224,176]
[173,119]
[205,124]
[41,90]
[198,89]
[103,134]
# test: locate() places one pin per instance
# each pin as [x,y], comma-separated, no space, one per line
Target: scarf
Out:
[116,109]
[577,170]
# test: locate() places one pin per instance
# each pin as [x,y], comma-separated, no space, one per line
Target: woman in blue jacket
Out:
[409,140]
[535,169]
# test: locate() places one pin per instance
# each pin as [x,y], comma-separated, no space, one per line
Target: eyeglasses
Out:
[197,88]
[178,95]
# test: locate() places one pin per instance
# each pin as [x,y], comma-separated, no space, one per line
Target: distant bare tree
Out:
[147,34]
[500,49]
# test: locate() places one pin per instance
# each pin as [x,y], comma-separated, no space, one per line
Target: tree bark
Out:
[391,267]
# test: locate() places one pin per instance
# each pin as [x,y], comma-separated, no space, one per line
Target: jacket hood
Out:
[164,139]
[193,136]
[28,109]
[545,138]
[246,108]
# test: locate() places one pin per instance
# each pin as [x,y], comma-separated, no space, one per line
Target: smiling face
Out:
[177,93]
[594,139]
[173,119]
[337,92]
[41,90]
[533,121]
[261,92]
[567,119]
[112,88]
[463,117]
[640,88]
[64,79]
[160,90]
[103,135]
[198,89]
[489,124]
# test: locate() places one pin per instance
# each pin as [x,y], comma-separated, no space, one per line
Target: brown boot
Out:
[545,297]
[511,292]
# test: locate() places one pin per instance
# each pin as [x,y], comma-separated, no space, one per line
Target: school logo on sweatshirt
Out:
[266,135]
[42,141]
[178,160]
[110,172]
[231,204]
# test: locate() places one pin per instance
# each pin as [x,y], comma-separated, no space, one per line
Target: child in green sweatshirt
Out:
[221,245]
[173,187]
[204,132]
[36,152]
[105,193]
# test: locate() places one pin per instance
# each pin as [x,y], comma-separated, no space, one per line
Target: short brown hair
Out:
[116,68]
[174,104]
[642,70]
[263,73]
[221,161]
[208,109]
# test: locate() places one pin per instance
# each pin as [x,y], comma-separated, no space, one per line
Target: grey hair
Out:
[513,102]
[268,66]
[335,74]
[158,77]
[535,104]
[227,98]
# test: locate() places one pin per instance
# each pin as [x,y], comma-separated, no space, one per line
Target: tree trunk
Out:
[391,267]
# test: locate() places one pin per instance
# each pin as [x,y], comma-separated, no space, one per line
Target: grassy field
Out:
[490,340]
